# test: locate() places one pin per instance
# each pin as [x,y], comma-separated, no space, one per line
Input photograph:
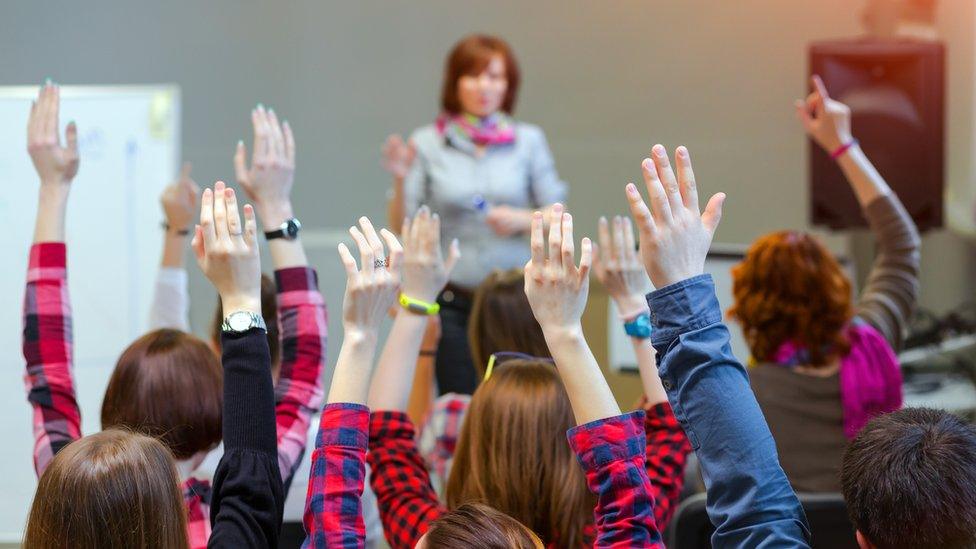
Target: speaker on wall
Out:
[896,92]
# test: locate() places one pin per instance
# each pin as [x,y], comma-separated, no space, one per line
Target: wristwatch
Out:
[242,321]
[640,327]
[288,230]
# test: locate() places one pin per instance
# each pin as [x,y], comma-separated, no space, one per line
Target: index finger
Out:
[819,86]
[536,241]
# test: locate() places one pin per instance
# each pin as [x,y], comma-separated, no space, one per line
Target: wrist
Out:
[357,335]
[273,214]
[235,303]
[630,305]
[563,335]
[54,191]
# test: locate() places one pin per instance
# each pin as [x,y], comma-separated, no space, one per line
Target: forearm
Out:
[284,253]
[647,365]
[51,209]
[350,380]
[864,179]
[588,391]
[173,248]
[395,211]
[395,372]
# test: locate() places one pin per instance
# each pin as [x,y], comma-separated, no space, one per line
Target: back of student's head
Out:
[512,453]
[113,489]
[501,319]
[269,311]
[478,526]
[909,480]
[168,384]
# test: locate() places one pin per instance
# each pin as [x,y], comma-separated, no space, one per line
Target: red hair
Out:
[470,56]
[791,288]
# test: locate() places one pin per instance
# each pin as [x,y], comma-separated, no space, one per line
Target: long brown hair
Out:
[470,56]
[168,384]
[512,453]
[113,489]
[478,526]
[790,287]
[502,320]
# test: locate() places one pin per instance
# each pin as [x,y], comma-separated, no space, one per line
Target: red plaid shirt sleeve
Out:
[298,393]
[439,434]
[407,502]
[333,510]
[611,452]
[667,455]
[47,342]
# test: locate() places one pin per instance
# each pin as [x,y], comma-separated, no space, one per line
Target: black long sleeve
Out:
[248,497]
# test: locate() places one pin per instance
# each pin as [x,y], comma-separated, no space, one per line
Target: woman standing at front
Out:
[483,173]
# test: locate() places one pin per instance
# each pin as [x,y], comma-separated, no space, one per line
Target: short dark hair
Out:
[168,384]
[909,480]
[470,56]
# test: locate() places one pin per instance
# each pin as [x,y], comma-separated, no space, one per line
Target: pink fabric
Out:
[496,129]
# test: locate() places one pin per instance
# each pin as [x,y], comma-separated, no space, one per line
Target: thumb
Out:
[185,171]
[713,212]
[453,254]
[803,115]
[197,245]
[240,163]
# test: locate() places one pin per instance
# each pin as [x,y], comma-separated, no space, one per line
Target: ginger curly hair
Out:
[790,287]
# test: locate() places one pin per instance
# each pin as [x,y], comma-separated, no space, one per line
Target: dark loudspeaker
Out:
[896,91]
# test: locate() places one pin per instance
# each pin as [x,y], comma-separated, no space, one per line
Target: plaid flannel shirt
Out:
[47,349]
[333,510]
[408,503]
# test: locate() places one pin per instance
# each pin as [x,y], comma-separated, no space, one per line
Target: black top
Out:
[248,497]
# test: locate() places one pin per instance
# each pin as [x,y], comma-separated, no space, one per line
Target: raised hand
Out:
[269,179]
[55,164]
[372,288]
[508,221]
[557,289]
[827,121]
[227,251]
[179,200]
[618,267]
[675,238]
[398,156]
[425,271]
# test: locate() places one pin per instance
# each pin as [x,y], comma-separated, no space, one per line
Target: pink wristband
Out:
[843,149]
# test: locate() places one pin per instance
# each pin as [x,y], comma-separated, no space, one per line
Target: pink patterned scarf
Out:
[470,131]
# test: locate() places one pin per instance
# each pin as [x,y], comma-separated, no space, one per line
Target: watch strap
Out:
[257,321]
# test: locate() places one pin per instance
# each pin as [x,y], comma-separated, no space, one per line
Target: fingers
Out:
[555,235]
[803,113]
[618,239]
[405,232]
[197,243]
[234,229]
[568,246]
[434,235]
[666,175]
[586,259]
[713,212]
[630,247]
[289,143]
[537,243]
[603,235]
[220,212]
[686,179]
[207,219]
[185,170]
[250,227]
[372,238]
[347,261]
[655,191]
[417,226]
[395,257]
[639,211]
[71,138]
[261,146]
[453,255]
[240,162]
[365,251]
[54,107]
[277,138]
[820,88]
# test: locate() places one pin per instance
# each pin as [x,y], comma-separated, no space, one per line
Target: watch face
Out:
[239,321]
[292,228]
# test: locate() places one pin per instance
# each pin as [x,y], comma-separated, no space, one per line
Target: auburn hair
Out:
[478,526]
[512,453]
[470,56]
[269,312]
[791,288]
[111,490]
[168,384]
[502,320]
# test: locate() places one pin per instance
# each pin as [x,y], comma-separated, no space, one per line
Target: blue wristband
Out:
[640,327]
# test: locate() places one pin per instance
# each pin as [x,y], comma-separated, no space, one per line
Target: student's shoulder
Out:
[529,131]
[426,137]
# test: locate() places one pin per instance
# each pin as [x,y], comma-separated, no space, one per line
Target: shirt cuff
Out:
[172,276]
[297,286]
[344,424]
[682,307]
[607,440]
[47,260]
[388,424]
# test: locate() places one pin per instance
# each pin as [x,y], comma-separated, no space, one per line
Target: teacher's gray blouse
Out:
[461,186]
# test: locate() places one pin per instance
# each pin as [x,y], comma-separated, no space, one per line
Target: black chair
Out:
[826,514]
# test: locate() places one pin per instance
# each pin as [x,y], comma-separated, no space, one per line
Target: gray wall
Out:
[605,79]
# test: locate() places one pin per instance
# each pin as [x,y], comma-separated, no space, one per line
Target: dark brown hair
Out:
[168,384]
[470,56]
[269,311]
[512,453]
[501,320]
[790,287]
[111,490]
[478,526]
[909,480]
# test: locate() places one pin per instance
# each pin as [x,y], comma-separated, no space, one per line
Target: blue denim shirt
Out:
[750,500]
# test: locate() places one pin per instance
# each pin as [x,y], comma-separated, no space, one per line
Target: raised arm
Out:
[398,160]
[248,496]
[301,310]
[170,306]
[47,332]
[617,265]
[750,500]
[609,446]
[891,293]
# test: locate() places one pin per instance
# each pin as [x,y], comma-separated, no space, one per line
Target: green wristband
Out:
[419,307]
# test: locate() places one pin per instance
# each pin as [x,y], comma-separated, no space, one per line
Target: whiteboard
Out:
[129,146]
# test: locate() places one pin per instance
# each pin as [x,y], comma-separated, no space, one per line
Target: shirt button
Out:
[667,384]
[448,296]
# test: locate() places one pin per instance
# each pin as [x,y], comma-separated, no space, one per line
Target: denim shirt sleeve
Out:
[750,500]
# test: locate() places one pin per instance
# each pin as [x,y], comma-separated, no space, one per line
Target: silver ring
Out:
[379,263]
